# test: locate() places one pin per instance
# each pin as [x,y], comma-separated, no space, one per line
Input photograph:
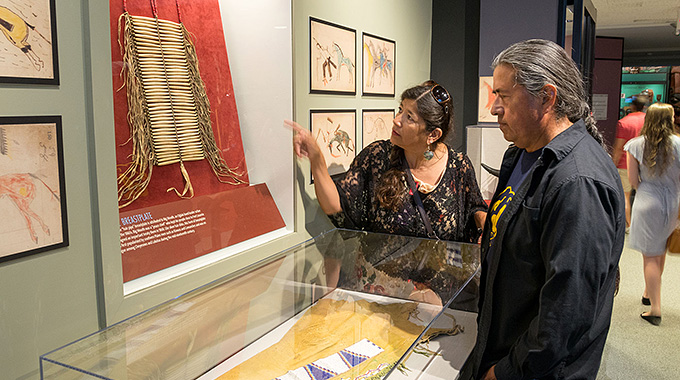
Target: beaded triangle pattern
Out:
[333,365]
[382,332]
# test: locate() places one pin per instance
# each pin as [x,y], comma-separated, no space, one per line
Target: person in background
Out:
[555,229]
[675,102]
[649,93]
[627,128]
[654,171]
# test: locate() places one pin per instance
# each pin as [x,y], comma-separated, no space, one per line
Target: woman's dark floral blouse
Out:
[450,206]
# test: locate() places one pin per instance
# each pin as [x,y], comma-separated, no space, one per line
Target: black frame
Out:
[312,90]
[394,70]
[35,120]
[311,130]
[55,57]
[369,110]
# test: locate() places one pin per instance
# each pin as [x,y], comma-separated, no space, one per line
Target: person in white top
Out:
[654,171]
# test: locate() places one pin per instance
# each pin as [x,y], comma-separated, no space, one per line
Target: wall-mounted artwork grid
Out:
[376,125]
[335,132]
[32,196]
[378,65]
[28,51]
[332,52]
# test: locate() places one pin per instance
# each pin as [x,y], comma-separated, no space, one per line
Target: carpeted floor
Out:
[636,349]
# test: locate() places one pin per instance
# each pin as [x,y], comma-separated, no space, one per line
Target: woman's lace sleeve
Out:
[355,186]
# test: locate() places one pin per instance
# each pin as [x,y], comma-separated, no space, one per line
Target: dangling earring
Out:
[428,154]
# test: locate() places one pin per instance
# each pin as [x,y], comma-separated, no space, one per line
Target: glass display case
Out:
[345,304]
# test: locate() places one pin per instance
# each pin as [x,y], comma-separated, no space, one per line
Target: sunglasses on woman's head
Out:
[440,94]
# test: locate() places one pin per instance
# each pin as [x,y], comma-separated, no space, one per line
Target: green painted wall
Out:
[49,298]
[407,22]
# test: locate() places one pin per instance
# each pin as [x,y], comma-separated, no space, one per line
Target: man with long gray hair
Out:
[555,228]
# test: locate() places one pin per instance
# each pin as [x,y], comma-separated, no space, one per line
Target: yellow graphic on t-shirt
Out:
[498,207]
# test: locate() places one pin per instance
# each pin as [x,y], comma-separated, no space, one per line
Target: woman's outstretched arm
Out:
[304,145]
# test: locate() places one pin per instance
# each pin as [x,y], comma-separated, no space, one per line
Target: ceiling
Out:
[648,27]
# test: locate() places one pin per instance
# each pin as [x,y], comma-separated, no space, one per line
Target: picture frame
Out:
[379,65]
[335,132]
[332,58]
[28,46]
[32,186]
[376,124]
[486,99]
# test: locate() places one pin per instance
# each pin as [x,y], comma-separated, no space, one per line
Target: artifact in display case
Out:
[344,305]
[181,163]
[168,107]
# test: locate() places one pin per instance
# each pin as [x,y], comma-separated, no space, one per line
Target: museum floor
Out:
[635,349]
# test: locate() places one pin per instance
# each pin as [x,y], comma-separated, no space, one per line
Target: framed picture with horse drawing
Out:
[378,65]
[29,46]
[332,54]
[376,125]
[335,132]
[32,196]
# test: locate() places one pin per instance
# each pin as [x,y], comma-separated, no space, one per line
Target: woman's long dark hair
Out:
[391,189]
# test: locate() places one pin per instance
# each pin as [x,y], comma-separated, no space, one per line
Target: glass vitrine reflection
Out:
[341,293]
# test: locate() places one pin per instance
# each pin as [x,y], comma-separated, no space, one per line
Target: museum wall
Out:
[407,22]
[607,85]
[503,23]
[455,58]
[48,299]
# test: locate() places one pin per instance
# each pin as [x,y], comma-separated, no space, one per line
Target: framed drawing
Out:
[376,125]
[486,99]
[378,65]
[332,53]
[335,132]
[32,197]
[29,46]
